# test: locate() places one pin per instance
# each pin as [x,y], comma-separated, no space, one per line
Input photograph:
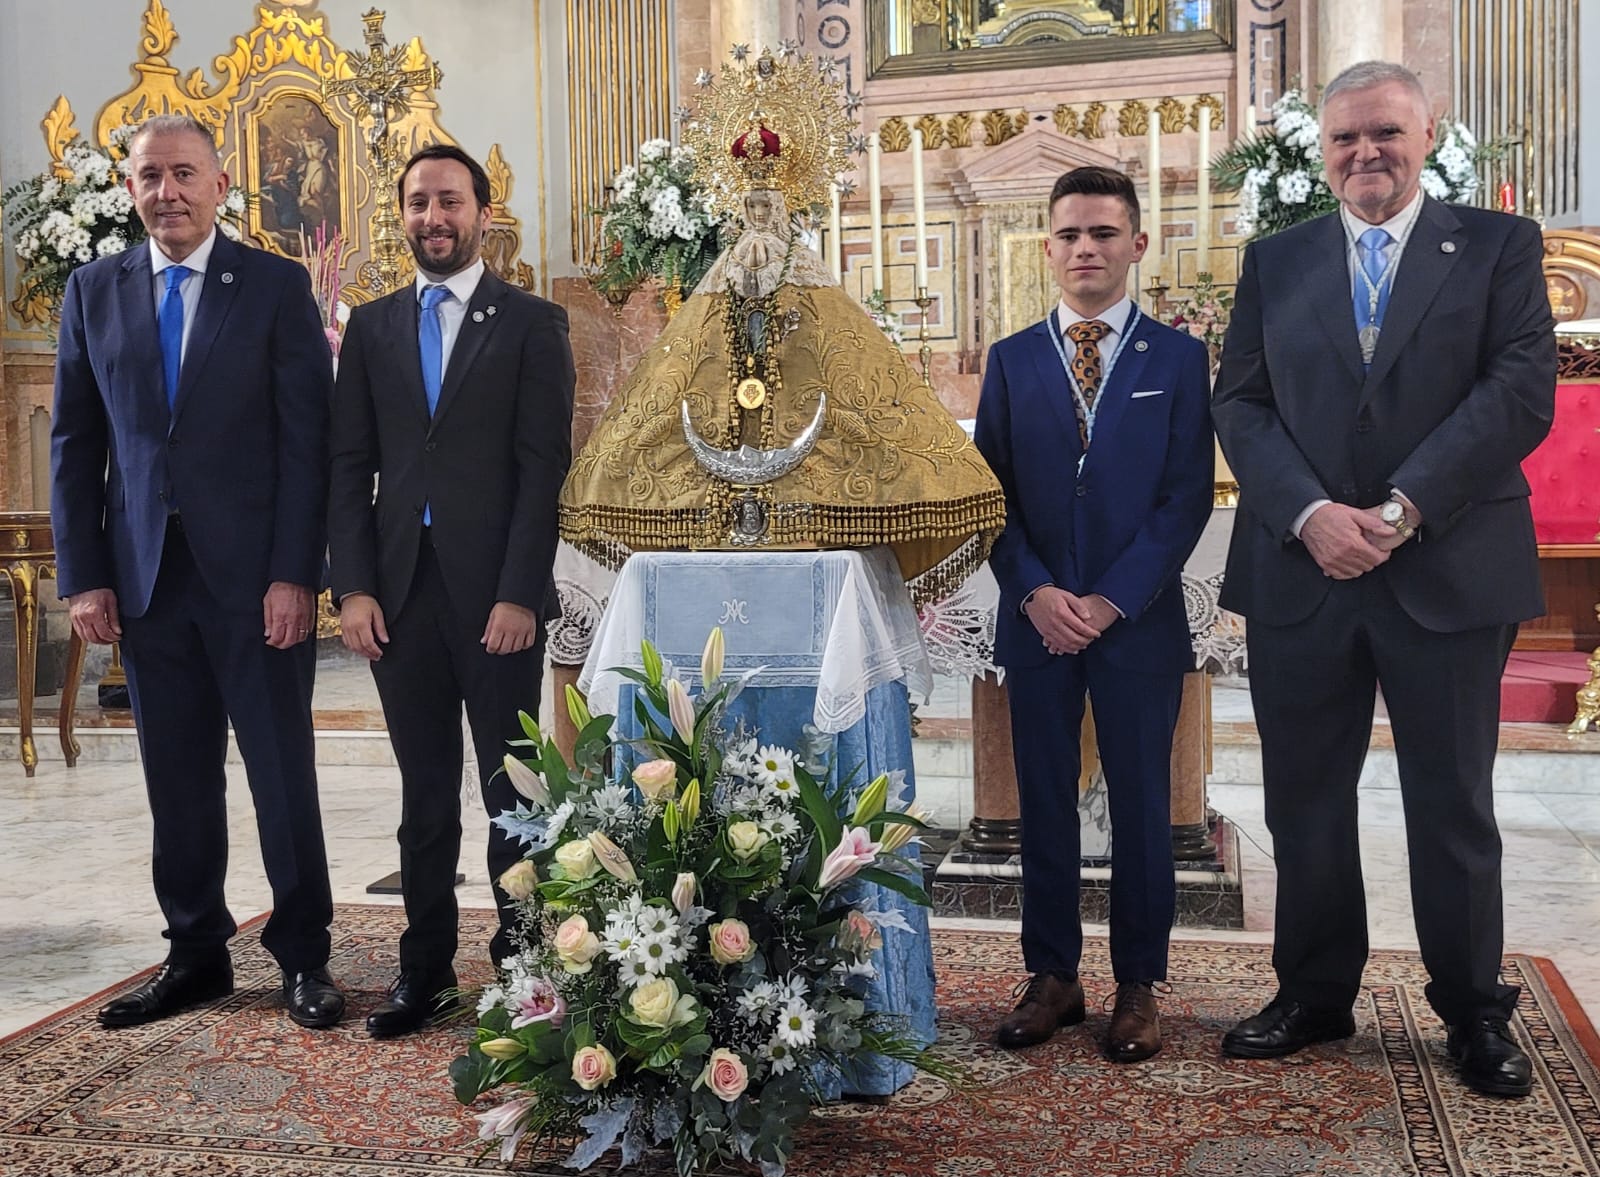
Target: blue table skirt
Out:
[881,742]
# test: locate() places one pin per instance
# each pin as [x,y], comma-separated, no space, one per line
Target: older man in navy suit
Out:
[1096,423]
[189,484]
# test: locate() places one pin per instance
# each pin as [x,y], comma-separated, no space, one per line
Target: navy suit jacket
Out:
[1461,389]
[242,455]
[1125,524]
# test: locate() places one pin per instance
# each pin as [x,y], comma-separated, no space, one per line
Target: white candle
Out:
[835,241]
[875,208]
[1202,231]
[1249,127]
[919,210]
[1153,228]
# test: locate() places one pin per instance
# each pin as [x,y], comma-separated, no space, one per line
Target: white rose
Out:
[577,859]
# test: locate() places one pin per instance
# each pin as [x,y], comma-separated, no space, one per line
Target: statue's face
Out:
[759,210]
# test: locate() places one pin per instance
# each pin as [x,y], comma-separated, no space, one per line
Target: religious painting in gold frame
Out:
[298,159]
[914,37]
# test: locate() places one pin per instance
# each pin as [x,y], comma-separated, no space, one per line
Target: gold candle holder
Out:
[925,349]
[1157,290]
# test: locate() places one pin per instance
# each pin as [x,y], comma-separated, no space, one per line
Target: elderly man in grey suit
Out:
[1386,370]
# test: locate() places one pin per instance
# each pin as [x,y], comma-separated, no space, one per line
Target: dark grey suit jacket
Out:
[489,462]
[1461,389]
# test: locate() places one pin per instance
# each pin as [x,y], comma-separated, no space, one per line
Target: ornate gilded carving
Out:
[502,244]
[926,12]
[1066,120]
[1588,697]
[958,129]
[998,126]
[1133,118]
[60,127]
[1174,115]
[1090,124]
[894,135]
[932,131]
[1206,102]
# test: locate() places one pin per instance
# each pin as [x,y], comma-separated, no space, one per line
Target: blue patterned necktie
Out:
[1370,312]
[430,341]
[171,324]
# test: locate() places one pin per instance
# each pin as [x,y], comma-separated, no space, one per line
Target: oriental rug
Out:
[237,1090]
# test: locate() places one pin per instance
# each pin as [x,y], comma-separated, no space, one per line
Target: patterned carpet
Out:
[237,1089]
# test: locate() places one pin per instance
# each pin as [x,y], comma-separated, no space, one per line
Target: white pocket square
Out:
[1151,392]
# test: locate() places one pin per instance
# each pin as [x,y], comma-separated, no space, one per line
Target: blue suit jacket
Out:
[1125,524]
[243,454]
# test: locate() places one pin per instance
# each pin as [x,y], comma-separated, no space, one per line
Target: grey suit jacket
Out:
[1461,389]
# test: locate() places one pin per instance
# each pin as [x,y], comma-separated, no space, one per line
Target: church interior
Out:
[961,116]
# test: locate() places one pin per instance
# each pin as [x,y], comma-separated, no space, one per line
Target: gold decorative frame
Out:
[1572,273]
[254,122]
[1176,113]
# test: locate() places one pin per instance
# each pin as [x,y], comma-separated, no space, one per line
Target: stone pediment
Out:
[1025,168]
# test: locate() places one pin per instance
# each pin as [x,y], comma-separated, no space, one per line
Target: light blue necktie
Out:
[430,341]
[1370,246]
[171,324]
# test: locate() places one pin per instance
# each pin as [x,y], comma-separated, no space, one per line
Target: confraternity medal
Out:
[751,393]
[1369,342]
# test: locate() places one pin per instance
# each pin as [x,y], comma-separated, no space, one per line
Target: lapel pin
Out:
[1447,247]
[226,277]
[491,310]
[1141,345]
[477,316]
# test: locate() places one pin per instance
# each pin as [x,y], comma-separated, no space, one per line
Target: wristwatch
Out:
[1394,514]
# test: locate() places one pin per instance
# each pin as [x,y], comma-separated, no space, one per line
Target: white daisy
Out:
[797,1024]
[777,1053]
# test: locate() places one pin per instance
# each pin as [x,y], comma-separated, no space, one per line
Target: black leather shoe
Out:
[415,999]
[1489,1059]
[1285,1027]
[174,987]
[314,1000]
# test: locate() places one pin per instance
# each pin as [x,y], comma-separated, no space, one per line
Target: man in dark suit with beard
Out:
[188,488]
[1386,370]
[456,392]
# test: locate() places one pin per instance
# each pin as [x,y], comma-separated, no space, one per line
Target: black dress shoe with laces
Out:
[1488,1059]
[415,999]
[1285,1027]
[176,986]
[313,999]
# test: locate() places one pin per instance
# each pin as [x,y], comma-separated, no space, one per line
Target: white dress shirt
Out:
[191,286]
[1399,229]
[452,310]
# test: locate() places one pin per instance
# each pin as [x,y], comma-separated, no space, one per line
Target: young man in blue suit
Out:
[189,481]
[1096,422]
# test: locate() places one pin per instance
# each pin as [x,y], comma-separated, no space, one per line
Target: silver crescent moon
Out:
[747,465]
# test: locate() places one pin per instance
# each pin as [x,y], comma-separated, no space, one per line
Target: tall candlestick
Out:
[1153,227]
[1202,216]
[875,208]
[1249,128]
[835,241]
[919,210]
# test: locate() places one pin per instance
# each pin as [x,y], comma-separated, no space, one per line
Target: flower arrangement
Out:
[1204,314]
[695,946]
[888,321]
[320,254]
[658,224]
[80,210]
[1278,172]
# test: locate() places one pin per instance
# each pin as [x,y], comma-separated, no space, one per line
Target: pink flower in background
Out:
[855,850]
[333,337]
[540,1004]
[508,1122]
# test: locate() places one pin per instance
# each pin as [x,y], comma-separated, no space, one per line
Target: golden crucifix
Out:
[379,93]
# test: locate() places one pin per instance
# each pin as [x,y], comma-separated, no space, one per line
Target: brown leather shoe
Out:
[1049,1001]
[1135,1032]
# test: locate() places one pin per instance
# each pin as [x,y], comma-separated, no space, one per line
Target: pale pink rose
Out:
[592,1067]
[576,945]
[855,850]
[541,1004]
[860,935]
[725,1074]
[508,1122]
[656,779]
[731,943]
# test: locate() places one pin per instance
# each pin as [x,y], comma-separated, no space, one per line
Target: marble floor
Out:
[77,915]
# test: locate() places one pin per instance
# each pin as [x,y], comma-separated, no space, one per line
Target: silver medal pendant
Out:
[1369,342]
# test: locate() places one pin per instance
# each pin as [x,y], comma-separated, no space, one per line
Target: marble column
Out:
[756,23]
[996,826]
[1349,31]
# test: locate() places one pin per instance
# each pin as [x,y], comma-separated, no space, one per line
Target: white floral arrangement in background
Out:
[888,321]
[1278,172]
[657,223]
[80,210]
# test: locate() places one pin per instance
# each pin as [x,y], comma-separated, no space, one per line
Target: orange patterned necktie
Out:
[1086,368]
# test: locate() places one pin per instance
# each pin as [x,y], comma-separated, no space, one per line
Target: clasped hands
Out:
[1067,622]
[511,628]
[1347,542]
